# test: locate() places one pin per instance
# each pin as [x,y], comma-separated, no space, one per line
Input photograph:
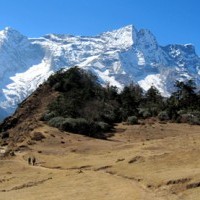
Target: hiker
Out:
[33,161]
[29,160]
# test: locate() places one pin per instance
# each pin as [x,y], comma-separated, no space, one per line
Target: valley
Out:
[148,161]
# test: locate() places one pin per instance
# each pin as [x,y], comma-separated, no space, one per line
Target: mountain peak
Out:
[9,29]
[123,37]
[12,35]
[146,39]
[117,57]
[128,28]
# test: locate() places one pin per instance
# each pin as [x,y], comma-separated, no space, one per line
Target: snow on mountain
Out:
[117,57]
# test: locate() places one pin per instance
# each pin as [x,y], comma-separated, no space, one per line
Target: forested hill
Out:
[74,101]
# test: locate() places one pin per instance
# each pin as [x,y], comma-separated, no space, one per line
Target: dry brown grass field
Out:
[153,161]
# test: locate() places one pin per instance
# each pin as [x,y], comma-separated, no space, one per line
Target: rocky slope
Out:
[117,57]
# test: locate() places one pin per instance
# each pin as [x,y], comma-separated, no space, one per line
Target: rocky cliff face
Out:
[117,57]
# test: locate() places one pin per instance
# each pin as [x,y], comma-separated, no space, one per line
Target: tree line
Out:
[85,107]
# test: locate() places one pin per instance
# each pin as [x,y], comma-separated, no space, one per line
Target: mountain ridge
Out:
[117,57]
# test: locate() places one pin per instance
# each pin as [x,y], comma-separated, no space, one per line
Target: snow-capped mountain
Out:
[118,57]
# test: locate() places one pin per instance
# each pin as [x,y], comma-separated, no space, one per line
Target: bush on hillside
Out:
[163,116]
[4,135]
[154,110]
[79,125]
[104,126]
[144,113]
[132,120]
[56,122]
[194,121]
[48,115]
[192,118]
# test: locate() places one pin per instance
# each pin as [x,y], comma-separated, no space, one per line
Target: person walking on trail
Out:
[33,161]
[29,160]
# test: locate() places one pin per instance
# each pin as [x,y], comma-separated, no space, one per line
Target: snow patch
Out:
[25,83]
[155,80]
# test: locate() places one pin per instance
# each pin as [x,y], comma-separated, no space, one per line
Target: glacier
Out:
[117,57]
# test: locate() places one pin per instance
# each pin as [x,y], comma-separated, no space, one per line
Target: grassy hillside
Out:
[142,162]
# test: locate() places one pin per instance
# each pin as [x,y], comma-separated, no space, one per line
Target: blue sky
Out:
[171,21]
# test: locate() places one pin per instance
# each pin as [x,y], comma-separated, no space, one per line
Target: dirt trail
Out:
[138,191]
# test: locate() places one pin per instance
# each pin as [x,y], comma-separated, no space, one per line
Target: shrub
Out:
[154,110]
[109,117]
[132,120]
[56,122]
[4,135]
[196,113]
[104,126]
[49,115]
[194,120]
[185,118]
[81,126]
[78,125]
[190,118]
[163,116]
[144,113]
[181,112]
[57,86]
[96,130]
